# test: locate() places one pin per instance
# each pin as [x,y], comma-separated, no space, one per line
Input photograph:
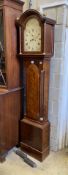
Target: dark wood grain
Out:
[46,68]
[34,127]
[10,16]
[32,93]
[35,141]
[10,111]
[48,39]
[10,95]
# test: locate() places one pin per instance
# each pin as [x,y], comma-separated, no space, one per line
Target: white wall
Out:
[26,5]
[58,94]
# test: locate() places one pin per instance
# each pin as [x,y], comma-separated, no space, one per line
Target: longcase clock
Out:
[36,47]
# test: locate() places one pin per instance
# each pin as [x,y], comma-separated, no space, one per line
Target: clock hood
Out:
[31,12]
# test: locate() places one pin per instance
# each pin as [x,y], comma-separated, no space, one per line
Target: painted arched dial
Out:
[32,35]
[32,92]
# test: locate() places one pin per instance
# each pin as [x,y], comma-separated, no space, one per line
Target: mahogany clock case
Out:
[46,27]
[36,47]
[10,89]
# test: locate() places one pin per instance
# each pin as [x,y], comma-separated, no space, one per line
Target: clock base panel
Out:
[34,138]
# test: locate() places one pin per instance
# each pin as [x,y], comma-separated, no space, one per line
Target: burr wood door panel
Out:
[32,92]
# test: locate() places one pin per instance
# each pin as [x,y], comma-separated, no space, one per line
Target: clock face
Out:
[32,36]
